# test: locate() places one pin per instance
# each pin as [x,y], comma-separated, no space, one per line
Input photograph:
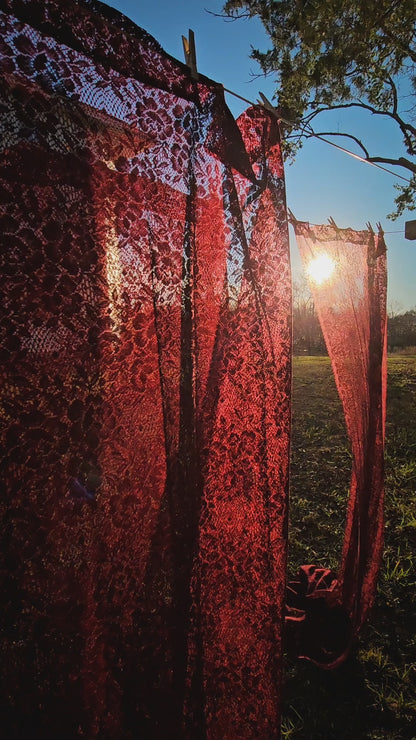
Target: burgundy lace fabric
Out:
[145,344]
[347,275]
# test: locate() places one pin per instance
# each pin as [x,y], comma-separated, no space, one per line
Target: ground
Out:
[373,695]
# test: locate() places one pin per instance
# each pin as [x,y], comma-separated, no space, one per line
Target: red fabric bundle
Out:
[145,344]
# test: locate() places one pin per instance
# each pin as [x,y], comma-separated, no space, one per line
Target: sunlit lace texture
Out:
[145,339]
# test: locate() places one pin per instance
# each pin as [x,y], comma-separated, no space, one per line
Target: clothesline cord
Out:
[321,138]
[245,100]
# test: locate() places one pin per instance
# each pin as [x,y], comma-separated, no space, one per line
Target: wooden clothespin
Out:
[381,246]
[333,224]
[190,53]
[267,104]
[369,228]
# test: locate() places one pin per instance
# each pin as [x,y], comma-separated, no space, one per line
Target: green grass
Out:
[373,694]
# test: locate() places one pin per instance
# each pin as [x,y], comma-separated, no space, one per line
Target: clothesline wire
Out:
[321,138]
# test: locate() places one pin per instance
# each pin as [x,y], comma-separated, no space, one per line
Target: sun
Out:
[320,268]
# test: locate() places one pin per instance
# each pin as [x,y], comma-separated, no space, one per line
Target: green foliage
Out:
[401,331]
[328,54]
[406,199]
[372,696]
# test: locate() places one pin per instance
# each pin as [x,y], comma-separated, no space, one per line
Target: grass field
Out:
[373,694]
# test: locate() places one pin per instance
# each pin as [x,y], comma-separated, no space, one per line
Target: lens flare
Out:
[321,268]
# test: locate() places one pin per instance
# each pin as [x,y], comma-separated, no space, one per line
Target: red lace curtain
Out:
[145,344]
[346,270]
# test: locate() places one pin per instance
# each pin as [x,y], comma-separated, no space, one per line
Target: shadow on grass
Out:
[338,705]
[372,696]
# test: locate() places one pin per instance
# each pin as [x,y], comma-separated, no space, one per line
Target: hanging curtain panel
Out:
[346,271]
[145,399]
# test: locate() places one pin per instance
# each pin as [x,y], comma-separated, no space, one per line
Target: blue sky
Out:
[322,182]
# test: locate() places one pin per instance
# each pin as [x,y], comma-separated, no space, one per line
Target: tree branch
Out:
[394,92]
[399,162]
[403,125]
[405,49]
[336,133]
[228,16]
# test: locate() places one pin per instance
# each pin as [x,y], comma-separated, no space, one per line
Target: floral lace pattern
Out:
[348,280]
[146,343]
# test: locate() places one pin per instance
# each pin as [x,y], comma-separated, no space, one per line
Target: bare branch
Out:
[228,16]
[399,162]
[337,133]
[394,91]
[404,126]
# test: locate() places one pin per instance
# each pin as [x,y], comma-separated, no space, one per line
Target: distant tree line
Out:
[401,332]
[307,334]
